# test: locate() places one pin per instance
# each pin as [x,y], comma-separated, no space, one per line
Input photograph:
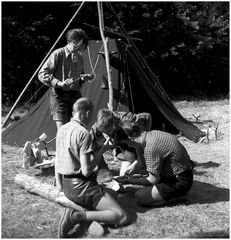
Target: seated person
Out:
[107,124]
[170,170]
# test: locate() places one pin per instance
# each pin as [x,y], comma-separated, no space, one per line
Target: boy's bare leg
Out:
[108,211]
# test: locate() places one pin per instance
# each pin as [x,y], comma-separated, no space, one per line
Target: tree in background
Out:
[185,43]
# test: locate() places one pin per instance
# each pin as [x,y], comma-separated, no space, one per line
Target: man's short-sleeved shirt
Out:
[72,141]
[164,155]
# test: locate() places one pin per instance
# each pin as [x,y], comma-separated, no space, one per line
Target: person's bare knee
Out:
[123,218]
[109,203]
[156,195]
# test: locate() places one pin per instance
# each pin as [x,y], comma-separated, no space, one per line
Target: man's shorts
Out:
[83,191]
[175,186]
[61,103]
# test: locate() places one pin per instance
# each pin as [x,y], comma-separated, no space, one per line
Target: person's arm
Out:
[129,168]
[87,166]
[146,181]
[140,181]
[125,167]
[45,74]
[89,162]
[58,179]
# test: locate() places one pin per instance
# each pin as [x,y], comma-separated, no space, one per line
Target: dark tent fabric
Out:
[38,119]
[161,100]
[131,81]
[32,125]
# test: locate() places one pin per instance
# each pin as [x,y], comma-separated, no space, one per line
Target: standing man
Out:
[62,71]
[74,170]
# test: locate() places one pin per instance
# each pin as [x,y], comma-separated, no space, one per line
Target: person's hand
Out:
[61,84]
[59,188]
[68,81]
[87,77]
[131,168]
[58,182]
[65,85]
[122,180]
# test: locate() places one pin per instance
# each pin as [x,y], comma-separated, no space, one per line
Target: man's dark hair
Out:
[105,119]
[83,104]
[130,128]
[77,34]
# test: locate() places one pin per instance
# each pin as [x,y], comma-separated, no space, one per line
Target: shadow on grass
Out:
[204,166]
[129,203]
[210,234]
[46,172]
[202,193]
[208,164]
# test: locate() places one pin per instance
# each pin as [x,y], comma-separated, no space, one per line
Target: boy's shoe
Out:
[69,219]
[65,224]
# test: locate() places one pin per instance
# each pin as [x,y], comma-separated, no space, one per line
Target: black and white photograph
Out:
[115,119]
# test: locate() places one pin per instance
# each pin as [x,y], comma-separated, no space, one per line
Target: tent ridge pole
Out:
[105,42]
[45,58]
[140,58]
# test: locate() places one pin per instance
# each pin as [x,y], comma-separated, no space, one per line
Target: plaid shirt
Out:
[164,155]
[61,66]
[72,141]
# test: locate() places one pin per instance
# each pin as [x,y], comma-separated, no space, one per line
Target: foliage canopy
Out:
[185,43]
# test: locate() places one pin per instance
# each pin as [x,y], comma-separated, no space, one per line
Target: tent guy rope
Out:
[96,62]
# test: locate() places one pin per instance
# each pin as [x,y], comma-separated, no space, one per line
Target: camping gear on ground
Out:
[32,154]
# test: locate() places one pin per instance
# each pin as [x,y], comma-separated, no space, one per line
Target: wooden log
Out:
[35,186]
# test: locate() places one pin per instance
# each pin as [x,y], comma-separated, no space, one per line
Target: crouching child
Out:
[75,176]
[169,168]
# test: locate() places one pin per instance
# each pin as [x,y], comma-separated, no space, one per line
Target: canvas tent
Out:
[136,91]
[135,88]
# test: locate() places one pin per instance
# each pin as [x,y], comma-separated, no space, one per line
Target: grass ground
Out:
[205,214]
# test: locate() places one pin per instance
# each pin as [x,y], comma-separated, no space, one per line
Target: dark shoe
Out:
[65,224]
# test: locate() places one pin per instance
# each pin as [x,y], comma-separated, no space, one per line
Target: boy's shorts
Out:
[61,103]
[175,186]
[83,191]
